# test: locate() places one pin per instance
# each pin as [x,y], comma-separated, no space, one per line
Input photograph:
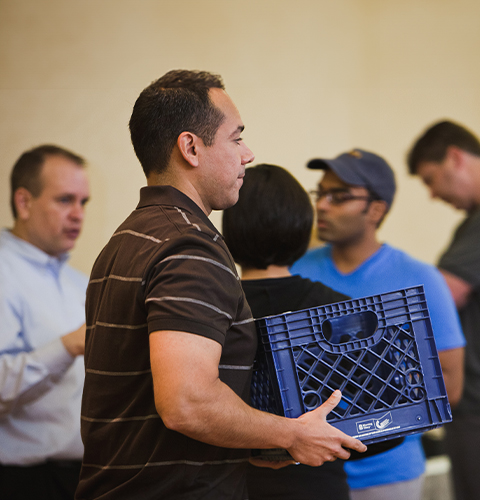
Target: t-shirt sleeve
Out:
[462,257]
[194,289]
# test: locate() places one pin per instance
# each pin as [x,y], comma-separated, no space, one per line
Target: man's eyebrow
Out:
[238,130]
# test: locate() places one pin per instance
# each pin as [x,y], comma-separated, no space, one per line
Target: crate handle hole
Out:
[311,400]
[414,378]
[351,327]
[417,394]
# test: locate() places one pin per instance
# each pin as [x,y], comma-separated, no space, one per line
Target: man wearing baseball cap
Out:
[353,197]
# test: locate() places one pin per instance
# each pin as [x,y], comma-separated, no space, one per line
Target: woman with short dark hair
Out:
[267,231]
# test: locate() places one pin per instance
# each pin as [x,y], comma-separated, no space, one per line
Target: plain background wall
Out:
[311,78]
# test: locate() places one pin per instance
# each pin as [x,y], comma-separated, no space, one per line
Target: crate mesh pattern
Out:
[378,350]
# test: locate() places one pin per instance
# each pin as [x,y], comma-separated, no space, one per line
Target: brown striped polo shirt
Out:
[165,268]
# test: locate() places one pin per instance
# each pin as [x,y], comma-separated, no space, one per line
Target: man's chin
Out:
[226,203]
[459,205]
[322,236]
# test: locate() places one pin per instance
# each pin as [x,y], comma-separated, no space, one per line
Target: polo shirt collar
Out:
[168,195]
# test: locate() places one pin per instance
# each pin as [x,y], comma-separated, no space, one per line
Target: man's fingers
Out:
[354,444]
[330,403]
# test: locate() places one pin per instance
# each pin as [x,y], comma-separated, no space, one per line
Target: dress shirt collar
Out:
[33,254]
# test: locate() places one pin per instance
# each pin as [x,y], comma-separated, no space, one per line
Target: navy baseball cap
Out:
[361,168]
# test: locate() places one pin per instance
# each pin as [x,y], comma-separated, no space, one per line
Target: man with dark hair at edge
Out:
[42,331]
[170,337]
[352,199]
[447,159]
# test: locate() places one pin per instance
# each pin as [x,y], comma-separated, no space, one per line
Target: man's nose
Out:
[78,211]
[247,156]
[322,203]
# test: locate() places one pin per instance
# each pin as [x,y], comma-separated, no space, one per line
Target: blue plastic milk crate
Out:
[378,350]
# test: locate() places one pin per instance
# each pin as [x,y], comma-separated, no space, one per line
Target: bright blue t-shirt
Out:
[386,270]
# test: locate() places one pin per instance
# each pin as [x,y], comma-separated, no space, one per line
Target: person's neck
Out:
[21,232]
[270,272]
[475,175]
[182,183]
[347,257]
[17,231]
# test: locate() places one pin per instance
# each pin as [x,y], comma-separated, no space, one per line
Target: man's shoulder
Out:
[469,227]
[406,262]
[168,218]
[6,247]
[75,275]
[311,264]
[315,255]
[10,260]
[153,233]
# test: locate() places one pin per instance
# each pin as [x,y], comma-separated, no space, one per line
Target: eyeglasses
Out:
[337,196]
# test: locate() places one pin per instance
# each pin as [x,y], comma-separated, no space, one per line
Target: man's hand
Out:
[317,441]
[74,342]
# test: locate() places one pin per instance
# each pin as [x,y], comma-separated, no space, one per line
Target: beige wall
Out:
[310,78]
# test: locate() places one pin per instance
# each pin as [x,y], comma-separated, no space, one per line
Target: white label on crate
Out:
[375,424]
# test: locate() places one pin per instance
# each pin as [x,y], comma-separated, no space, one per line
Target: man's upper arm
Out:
[460,264]
[184,371]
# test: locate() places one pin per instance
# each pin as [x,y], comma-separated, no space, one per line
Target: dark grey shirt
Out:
[462,258]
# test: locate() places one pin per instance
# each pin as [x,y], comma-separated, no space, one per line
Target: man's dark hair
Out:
[433,144]
[177,102]
[27,170]
[271,223]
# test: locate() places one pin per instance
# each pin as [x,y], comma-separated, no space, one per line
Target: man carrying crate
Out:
[170,337]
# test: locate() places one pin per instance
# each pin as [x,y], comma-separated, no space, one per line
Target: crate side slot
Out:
[429,359]
[283,367]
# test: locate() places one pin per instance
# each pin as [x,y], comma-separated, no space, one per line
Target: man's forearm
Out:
[191,399]
[27,376]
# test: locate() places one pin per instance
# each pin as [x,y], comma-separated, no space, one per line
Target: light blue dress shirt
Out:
[41,299]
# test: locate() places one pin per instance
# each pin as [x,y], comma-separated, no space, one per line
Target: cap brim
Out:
[344,170]
[318,164]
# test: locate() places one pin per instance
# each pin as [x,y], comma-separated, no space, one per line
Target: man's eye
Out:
[340,196]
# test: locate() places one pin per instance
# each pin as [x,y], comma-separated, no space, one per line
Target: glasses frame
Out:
[330,196]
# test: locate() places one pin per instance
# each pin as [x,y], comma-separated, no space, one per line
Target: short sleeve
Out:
[193,289]
[462,257]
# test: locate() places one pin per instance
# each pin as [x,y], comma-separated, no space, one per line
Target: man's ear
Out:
[22,199]
[455,155]
[378,210]
[188,144]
